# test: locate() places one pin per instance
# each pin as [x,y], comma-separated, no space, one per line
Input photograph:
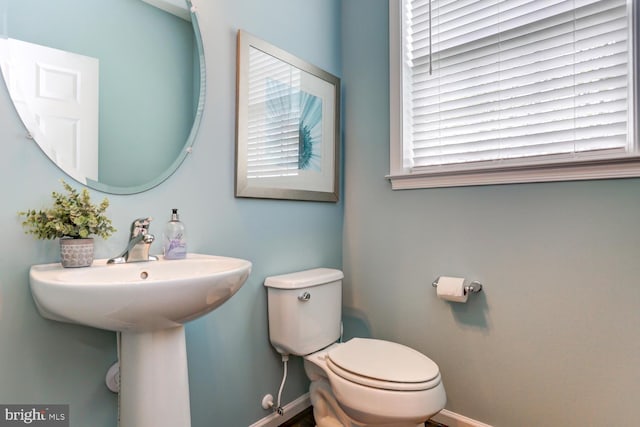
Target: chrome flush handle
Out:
[306,296]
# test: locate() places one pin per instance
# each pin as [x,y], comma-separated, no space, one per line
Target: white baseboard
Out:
[452,419]
[291,409]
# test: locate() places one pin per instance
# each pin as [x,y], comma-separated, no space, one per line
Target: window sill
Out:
[627,167]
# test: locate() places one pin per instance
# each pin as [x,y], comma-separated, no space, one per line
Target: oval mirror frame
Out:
[188,144]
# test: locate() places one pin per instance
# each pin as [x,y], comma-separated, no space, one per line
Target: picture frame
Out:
[287,125]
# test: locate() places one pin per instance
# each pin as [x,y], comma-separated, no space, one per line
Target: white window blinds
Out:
[273,117]
[498,80]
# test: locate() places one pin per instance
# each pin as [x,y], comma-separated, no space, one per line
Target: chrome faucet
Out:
[139,244]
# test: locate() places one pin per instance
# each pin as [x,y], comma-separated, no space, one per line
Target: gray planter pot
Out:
[76,252]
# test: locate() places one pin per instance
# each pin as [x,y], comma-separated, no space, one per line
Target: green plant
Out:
[72,215]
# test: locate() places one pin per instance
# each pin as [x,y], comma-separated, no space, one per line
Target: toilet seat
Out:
[371,401]
[383,365]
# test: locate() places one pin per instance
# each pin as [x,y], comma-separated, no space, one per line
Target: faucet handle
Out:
[140,226]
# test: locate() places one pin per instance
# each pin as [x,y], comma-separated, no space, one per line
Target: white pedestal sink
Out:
[148,302]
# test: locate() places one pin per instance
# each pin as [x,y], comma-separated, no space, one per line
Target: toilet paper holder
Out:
[473,287]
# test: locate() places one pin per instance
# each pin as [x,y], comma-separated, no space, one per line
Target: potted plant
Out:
[73,219]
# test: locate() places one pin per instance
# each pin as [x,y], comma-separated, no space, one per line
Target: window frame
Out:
[554,168]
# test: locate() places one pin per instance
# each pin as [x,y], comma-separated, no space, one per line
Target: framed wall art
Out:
[287,125]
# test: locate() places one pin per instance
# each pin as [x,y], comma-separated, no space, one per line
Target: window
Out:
[496,91]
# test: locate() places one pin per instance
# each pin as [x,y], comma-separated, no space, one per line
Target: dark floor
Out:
[305,419]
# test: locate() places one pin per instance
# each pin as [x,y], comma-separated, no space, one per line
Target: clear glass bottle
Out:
[174,241]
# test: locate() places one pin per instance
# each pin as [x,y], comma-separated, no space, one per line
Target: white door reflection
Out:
[56,95]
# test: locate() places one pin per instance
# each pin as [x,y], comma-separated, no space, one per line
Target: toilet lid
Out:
[383,362]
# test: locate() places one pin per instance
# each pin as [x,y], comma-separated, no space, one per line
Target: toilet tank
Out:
[304,310]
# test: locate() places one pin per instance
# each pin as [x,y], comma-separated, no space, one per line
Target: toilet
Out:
[362,382]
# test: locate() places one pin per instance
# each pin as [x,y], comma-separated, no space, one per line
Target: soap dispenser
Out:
[174,238]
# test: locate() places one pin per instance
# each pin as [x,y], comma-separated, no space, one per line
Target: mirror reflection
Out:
[110,90]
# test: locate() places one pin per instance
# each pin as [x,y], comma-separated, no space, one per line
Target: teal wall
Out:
[231,362]
[555,337]
[146,76]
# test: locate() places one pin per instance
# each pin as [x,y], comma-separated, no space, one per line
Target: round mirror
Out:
[111,90]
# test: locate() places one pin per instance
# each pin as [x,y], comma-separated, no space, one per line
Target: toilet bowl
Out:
[377,382]
[362,382]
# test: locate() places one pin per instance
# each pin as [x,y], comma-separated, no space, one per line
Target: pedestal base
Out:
[154,382]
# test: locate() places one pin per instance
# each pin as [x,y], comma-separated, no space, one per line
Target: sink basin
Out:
[139,297]
[147,303]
